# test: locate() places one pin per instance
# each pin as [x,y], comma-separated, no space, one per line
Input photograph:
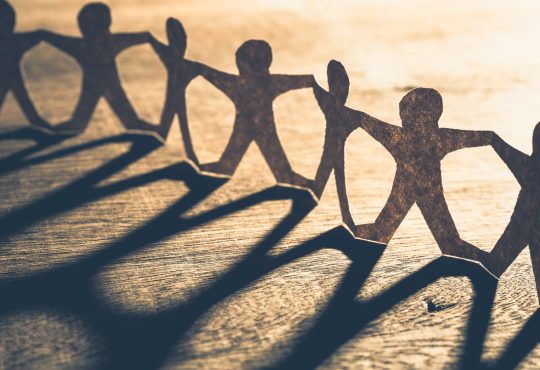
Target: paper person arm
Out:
[514,159]
[386,134]
[123,41]
[283,83]
[225,82]
[452,139]
[159,47]
[30,39]
[321,95]
[68,44]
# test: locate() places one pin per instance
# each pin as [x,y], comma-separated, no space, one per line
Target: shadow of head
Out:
[94,20]
[254,57]
[7,18]
[176,34]
[338,81]
[420,109]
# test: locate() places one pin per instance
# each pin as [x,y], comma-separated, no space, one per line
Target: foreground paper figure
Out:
[418,149]
[341,121]
[96,53]
[253,92]
[180,73]
[12,48]
[524,226]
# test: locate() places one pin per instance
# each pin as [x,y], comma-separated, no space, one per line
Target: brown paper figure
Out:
[341,121]
[524,226]
[253,92]
[12,48]
[96,53]
[418,149]
[180,73]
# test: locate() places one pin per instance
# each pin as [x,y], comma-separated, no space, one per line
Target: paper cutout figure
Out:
[341,121]
[13,46]
[180,73]
[418,149]
[252,92]
[524,226]
[96,53]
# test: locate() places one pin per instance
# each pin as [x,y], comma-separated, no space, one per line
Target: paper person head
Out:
[254,57]
[421,108]
[94,19]
[7,18]
[176,34]
[338,81]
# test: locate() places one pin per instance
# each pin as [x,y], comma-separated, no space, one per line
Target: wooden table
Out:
[114,254]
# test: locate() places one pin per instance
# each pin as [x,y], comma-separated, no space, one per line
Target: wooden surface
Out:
[108,259]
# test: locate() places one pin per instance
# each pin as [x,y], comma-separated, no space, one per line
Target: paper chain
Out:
[418,146]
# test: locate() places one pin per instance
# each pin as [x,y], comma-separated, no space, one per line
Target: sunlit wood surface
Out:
[480,55]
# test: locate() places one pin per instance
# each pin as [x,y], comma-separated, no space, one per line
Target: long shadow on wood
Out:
[521,345]
[84,189]
[144,341]
[41,142]
[20,160]
[345,317]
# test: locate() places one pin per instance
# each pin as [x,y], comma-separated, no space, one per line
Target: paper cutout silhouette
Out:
[341,121]
[252,92]
[12,48]
[180,73]
[418,149]
[96,53]
[524,226]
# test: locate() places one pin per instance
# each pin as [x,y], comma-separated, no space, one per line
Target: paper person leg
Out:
[167,116]
[515,238]
[28,108]
[86,105]
[275,156]
[534,249]
[121,106]
[233,153]
[399,202]
[439,220]
[339,173]
[326,166]
[186,135]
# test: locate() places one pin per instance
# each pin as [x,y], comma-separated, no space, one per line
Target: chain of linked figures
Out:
[418,146]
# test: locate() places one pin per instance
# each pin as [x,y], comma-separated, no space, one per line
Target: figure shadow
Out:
[20,160]
[345,317]
[520,346]
[85,189]
[41,141]
[143,341]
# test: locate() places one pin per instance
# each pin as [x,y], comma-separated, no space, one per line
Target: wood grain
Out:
[127,273]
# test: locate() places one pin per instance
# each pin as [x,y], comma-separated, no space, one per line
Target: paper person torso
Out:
[341,121]
[418,158]
[97,58]
[253,97]
[180,71]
